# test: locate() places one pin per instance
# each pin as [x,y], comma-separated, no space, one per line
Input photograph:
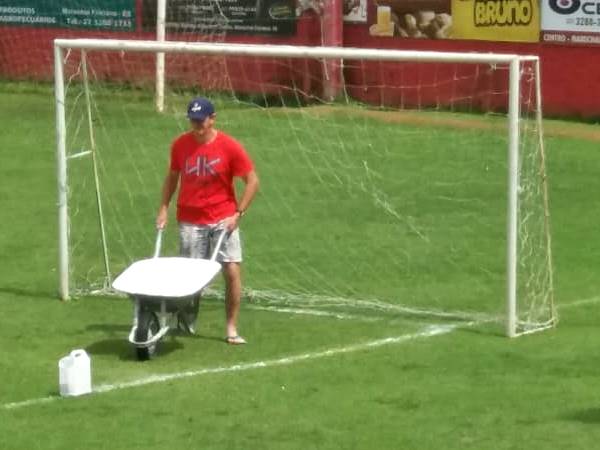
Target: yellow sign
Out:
[496,20]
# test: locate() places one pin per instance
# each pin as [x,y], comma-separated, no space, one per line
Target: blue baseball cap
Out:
[200,108]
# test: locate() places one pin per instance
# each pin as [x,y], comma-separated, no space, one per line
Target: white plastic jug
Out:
[75,374]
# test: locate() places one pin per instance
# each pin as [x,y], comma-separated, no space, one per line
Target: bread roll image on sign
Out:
[416,19]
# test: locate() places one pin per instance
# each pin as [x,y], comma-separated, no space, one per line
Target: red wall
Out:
[570,75]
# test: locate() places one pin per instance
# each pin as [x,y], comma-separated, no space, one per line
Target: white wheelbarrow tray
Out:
[162,282]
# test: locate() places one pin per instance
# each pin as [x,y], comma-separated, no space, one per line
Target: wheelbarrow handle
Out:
[158,243]
[224,233]
[213,257]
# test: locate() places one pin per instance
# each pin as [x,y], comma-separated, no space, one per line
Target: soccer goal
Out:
[398,183]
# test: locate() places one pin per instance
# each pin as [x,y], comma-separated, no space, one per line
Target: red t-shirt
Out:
[206,171]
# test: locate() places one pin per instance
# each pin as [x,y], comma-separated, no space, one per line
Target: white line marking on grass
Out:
[306,300]
[315,312]
[30,402]
[430,331]
[585,301]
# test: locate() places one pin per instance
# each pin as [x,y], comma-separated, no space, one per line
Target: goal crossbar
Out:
[289,51]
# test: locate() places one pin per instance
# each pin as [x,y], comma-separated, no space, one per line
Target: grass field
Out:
[311,377]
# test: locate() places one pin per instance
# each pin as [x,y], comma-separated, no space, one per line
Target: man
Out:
[204,163]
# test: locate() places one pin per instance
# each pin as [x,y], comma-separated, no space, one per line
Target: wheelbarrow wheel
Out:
[147,327]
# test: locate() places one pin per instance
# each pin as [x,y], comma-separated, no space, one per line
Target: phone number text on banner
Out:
[114,15]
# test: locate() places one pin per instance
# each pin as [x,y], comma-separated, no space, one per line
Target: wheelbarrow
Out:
[164,291]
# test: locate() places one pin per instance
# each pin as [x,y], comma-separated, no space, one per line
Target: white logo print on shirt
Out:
[202,167]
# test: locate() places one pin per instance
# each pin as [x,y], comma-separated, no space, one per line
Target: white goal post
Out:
[512,61]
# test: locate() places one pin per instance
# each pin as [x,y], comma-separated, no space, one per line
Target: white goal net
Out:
[411,183]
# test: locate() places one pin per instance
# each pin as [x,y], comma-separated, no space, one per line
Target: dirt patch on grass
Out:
[552,128]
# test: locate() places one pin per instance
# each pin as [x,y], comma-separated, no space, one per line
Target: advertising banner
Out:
[571,21]
[490,20]
[355,11]
[496,20]
[276,17]
[113,15]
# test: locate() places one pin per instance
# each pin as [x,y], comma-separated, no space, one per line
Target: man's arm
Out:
[250,190]
[168,189]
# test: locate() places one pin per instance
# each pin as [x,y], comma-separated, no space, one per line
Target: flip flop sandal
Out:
[235,340]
